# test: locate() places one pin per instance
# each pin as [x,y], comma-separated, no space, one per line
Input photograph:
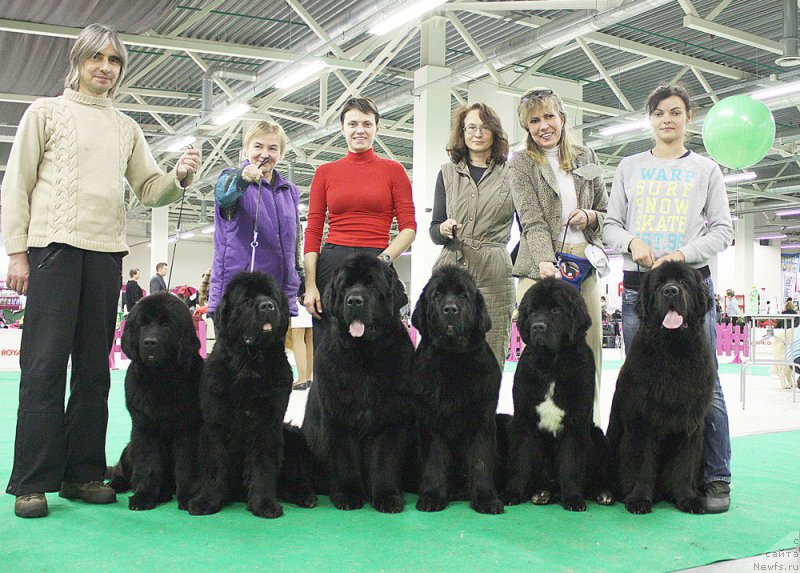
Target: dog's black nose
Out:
[670,290]
[538,327]
[355,300]
[150,343]
[266,306]
[450,308]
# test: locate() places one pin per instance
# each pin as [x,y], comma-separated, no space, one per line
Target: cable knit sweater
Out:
[64,180]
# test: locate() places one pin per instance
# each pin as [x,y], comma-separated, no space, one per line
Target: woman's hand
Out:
[313,302]
[188,164]
[642,253]
[548,269]
[673,256]
[18,271]
[579,219]
[251,173]
[446,228]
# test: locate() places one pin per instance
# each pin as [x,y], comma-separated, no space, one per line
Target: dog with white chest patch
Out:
[556,452]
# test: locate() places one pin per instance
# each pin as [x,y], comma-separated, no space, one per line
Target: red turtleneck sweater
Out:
[361,193]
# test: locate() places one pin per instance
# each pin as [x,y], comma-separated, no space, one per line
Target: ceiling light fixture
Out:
[625,127]
[230,113]
[771,237]
[777,90]
[736,177]
[179,143]
[403,16]
[791,246]
[207,230]
[299,73]
[787,213]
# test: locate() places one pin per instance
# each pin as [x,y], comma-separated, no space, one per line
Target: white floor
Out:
[769,407]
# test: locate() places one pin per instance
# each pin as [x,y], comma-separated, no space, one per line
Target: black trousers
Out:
[70,311]
[331,258]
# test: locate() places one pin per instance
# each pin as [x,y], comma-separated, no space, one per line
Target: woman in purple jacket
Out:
[255,204]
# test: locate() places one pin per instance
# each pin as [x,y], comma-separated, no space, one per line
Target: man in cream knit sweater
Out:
[63,221]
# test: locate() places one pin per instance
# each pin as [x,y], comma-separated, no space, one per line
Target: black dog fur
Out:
[358,418]
[663,393]
[243,394]
[457,381]
[161,393]
[556,452]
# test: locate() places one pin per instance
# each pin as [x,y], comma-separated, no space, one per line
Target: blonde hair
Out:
[538,100]
[264,127]
[91,40]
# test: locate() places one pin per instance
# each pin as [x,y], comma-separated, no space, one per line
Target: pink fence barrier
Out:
[515,345]
[733,341]
[116,346]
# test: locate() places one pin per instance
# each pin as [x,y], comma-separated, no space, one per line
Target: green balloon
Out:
[738,131]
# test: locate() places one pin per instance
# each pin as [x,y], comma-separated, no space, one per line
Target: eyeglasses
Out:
[472,129]
[536,94]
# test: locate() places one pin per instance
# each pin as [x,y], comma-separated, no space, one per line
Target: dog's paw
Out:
[542,497]
[638,506]
[488,506]
[268,508]
[301,496]
[511,497]
[692,505]
[347,501]
[605,498]
[119,485]
[389,503]
[138,502]
[201,506]
[183,503]
[574,503]
[164,496]
[429,502]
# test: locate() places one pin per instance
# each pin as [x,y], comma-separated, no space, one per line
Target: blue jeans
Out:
[716,438]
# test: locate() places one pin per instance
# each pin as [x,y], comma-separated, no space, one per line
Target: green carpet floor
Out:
[79,537]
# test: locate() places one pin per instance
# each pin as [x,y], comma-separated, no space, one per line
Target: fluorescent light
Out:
[230,113]
[791,246]
[302,73]
[771,237]
[187,235]
[625,127]
[403,16]
[776,91]
[180,142]
[736,177]
[734,218]
[207,230]
[787,213]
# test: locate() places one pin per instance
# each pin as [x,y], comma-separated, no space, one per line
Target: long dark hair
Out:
[457,146]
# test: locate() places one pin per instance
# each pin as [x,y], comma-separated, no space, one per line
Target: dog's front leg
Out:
[571,460]
[147,459]
[261,467]
[480,465]
[681,472]
[637,469]
[386,460]
[344,464]
[433,486]
[215,467]
[184,452]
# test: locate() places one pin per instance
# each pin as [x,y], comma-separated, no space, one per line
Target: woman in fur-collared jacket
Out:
[554,182]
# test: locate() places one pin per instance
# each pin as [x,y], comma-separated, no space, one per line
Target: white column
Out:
[744,253]
[159,231]
[431,132]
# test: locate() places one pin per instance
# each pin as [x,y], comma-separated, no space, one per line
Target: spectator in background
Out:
[157,283]
[133,292]
[731,307]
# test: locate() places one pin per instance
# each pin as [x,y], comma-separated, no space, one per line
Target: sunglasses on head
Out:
[536,94]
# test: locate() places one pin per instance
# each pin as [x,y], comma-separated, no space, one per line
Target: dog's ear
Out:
[644,299]
[483,321]
[419,318]
[222,312]
[399,296]
[580,320]
[130,332]
[523,320]
[705,298]
[329,296]
[188,342]
[283,303]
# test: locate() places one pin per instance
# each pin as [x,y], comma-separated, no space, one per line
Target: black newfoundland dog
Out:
[663,393]
[457,381]
[243,394]
[161,393]
[556,452]
[358,418]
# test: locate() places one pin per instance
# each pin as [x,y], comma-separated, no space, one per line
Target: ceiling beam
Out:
[733,34]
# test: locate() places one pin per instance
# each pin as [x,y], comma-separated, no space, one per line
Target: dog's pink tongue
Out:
[673,320]
[267,327]
[356,329]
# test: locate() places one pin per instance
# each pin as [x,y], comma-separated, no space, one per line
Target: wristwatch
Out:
[386,258]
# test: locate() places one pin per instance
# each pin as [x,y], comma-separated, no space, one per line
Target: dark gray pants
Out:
[70,311]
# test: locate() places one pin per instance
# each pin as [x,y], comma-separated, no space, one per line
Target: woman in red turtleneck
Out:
[361,194]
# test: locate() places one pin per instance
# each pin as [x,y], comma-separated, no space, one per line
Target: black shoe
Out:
[91,492]
[718,496]
[30,505]
[301,385]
